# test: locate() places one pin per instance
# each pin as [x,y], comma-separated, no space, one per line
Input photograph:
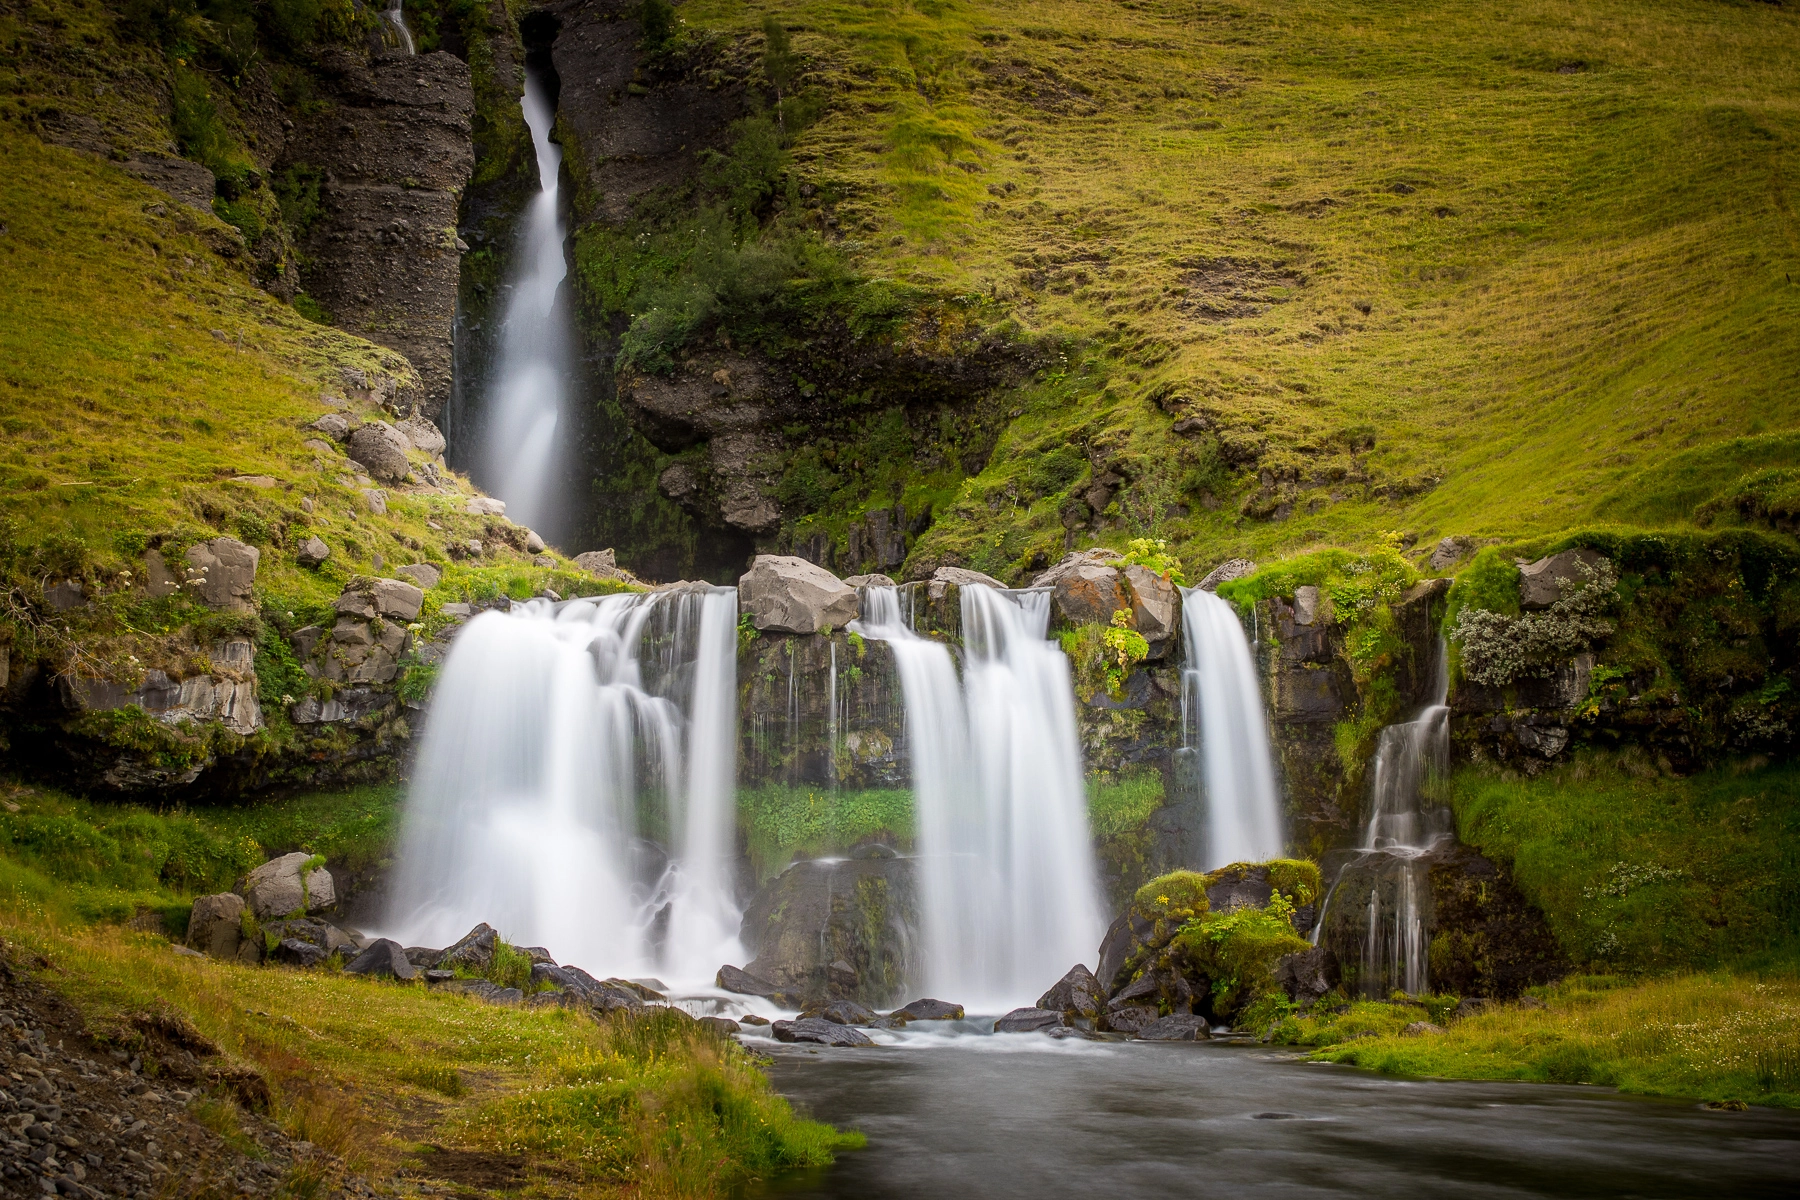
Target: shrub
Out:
[1238,951]
[1497,649]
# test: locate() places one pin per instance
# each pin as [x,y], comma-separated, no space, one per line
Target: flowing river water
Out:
[951,1115]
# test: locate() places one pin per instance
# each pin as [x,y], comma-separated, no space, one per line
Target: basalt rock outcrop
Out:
[842,930]
[388,157]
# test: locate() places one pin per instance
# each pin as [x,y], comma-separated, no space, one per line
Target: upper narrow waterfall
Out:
[1222,721]
[554,740]
[1006,875]
[397,34]
[534,359]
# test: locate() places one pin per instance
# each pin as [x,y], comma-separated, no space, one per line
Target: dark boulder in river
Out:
[1029,1020]
[820,1031]
[1176,1027]
[1077,994]
[929,1010]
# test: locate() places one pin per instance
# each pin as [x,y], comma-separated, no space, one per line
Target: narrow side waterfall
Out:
[1223,724]
[1007,883]
[562,739]
[396,34]
[1402,829]
[535,357]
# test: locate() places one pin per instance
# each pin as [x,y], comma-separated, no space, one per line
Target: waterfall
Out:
[1007,883]
[534,357]
[1223,724]
[1403,827]
[397,34]
[554,739]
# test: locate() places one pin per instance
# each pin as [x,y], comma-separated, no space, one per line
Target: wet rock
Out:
[382,449]
[1029,1020]
[1547,580]
[223,574]
[785,594]
[753,1019]
[474,950]
[929,1010]
[945,578]
[1308,975]
[1176,1027]
[383,959]
[277,889]
[1130,1018]
[735,979]
[296,953]
[1225,572]
[820,1032]
[216,924]
[423,575]
[1076,994]
[313,552]
[1155,610]
[817,916]
[847,1012]
[723,1026]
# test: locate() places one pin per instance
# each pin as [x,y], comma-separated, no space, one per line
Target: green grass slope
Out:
[1543,257]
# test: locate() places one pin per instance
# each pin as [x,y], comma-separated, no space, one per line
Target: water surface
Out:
[1021,1116]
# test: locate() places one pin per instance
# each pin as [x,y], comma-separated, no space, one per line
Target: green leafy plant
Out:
[1154,554]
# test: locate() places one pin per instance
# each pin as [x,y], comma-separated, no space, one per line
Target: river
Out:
[950,1116]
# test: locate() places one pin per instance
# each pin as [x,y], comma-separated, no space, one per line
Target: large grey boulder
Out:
[313,552]
[735,979]
[786,594]
[1130,1018]
[216,925]
[1547,580]
[475,950]
[1076,994]
[223,573]
[383,959]
[382,449]
[1099,556]
[424,575]
[847,1012]
[1448,552]
[597,562]
[423,435]
[862,581]
[1155,609]
[278,889]
[390,598]
[1029,1020]
[819,1031]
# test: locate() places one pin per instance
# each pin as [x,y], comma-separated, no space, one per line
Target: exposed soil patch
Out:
[468,1169]
[1220,289]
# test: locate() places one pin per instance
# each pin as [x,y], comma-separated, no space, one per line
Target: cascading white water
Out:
[1223,723]
[534,358]
[1403,827]
[545,752]
[1006,874]
[397,34]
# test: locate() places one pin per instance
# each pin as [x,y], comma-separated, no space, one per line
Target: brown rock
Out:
[1090,594]
[1155,608]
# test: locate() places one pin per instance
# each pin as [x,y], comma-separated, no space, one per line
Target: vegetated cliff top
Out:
[1441,269]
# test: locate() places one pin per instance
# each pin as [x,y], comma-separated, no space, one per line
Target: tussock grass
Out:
[1716,1037]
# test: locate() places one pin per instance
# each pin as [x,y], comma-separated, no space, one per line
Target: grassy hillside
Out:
[1439,269]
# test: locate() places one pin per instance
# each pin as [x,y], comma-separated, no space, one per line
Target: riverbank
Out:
[1727,1038]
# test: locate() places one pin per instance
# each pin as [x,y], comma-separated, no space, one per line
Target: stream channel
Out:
[958,1114]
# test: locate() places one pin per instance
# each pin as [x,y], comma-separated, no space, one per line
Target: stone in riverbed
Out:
[1176,1027]
[785,594]
[742,982]
[1130,1018]
[847,1012]
[929,1010]
[383,959]
[1077,994]
[723,1026]
[819,1031]
[1029,1020]
[753,1019]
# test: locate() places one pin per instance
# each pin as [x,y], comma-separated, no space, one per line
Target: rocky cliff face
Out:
[389,155]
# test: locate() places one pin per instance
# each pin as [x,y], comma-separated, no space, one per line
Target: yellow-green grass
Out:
[377,1071]
[1716,1037]
[1588,286]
